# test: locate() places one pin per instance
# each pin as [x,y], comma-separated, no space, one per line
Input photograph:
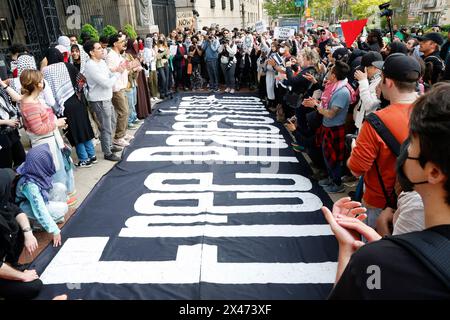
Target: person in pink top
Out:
[42,125]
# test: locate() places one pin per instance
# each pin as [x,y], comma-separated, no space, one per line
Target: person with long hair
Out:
[162,67]
[63,80]
[42,125]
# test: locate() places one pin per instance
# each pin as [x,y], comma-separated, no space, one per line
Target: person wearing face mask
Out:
[195,54]
[413,265]
[371,156]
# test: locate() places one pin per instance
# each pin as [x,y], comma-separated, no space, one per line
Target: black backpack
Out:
[393,145]
[431,248]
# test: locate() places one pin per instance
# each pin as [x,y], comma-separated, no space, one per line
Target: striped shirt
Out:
[38,118]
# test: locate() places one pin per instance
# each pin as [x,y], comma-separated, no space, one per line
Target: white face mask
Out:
[282,50]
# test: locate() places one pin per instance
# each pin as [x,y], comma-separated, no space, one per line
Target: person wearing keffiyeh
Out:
[62,78]
[43,201]
[335,101]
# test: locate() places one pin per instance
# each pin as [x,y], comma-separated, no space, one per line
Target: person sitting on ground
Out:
[408,270]
[43,201]
[15,235]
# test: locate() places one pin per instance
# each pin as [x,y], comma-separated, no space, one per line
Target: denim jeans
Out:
[213,73]
[106,116]
[132,101]
[85,150]
[163,81]
[229,74]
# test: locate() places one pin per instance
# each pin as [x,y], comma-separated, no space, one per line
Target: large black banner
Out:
[209,202]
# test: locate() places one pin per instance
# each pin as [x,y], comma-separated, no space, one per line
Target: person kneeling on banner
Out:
[44,202]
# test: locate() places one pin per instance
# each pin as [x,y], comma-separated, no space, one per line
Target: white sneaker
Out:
[232,91]
[227,90]
[121,143]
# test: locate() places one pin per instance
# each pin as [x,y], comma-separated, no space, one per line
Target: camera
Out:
[385,11]
[224,41]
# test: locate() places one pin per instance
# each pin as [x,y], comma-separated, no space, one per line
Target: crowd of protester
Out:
[349,108]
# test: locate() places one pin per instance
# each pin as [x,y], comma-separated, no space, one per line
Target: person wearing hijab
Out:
[43,201]
[143,107]
[15,235]
[63,80]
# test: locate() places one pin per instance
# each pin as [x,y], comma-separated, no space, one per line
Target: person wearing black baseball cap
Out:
[368,77]
[430,47]
[371,157]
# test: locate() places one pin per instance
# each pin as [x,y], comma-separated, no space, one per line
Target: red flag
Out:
[352,29]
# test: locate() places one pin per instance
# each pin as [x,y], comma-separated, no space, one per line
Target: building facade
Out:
[226,13]
[39,23]
[430,12]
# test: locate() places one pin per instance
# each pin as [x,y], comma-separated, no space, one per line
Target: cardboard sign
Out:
[260,26]
[283,33]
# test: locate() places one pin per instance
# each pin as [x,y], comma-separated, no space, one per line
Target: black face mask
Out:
[406,184]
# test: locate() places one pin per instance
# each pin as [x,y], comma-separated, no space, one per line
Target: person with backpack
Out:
[430,47]
[372,157]
[413,265]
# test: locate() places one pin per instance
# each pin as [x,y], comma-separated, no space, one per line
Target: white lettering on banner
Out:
[252,100]
[147,203]
[200,154]
[160,182]
[139,228]
[206,111]
[228,118]
[218,133]
[212,126]
[173,219]
[193,140]
[78,261]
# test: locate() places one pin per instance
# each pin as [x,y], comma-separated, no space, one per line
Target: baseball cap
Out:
[339,53]
[369,57]
[400,67]
[433,36]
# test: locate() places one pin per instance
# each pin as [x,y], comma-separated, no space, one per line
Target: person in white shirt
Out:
[116,61]
[101,81]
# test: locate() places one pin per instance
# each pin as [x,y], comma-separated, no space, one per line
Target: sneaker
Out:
[115,149]
[227,90]
[72,202]
[333,188]
[128,137]
[232,91]
[72,194]
[325,182]
[138,122]
[84,164]
[216,90]
[93,160]
[121,142]
[112,157]
[132,126]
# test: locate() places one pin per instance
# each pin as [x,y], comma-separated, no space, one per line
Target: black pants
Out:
[18,290]
[13,156]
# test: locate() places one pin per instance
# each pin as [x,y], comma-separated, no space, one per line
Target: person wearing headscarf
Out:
[15,235]
[42,125]
[43,201]
[27,62]
[63,79]
[143,107]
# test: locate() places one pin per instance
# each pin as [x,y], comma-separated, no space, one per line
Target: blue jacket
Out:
[211,49]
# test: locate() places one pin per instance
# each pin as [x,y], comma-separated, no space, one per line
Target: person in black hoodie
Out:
[15,233]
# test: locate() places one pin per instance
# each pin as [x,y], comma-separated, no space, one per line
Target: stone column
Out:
[127,12]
